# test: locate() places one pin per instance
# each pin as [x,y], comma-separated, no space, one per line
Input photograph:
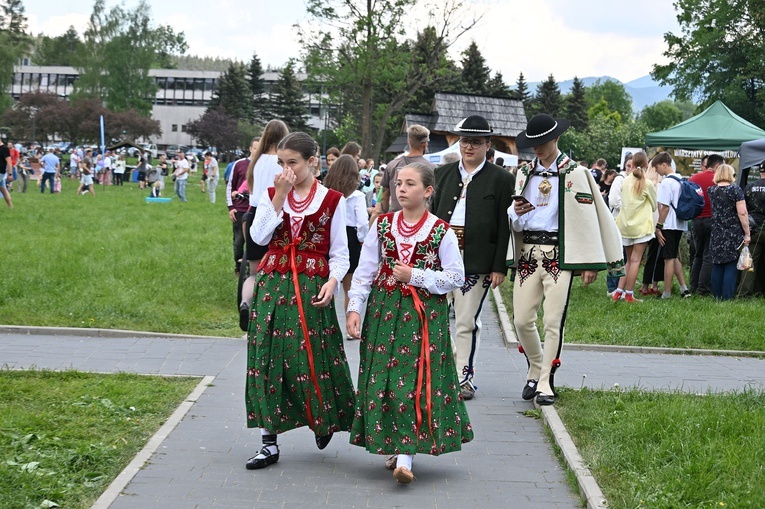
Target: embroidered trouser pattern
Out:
[541,282]
[468,302]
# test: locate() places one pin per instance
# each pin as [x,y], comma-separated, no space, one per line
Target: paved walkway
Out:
[509,464]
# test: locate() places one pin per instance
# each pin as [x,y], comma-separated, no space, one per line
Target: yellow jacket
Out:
[635,219]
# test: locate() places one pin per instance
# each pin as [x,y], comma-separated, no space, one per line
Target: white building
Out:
[182,96]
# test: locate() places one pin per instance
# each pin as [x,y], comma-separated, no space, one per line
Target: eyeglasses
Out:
[472,142]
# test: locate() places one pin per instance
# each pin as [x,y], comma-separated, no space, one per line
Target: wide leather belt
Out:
[460,232]
[535,237]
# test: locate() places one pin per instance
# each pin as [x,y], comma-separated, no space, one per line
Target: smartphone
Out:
[519,198]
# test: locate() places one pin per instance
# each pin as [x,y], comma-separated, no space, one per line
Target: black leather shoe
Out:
[529,390]
[244,316]
[323,441]
[545,400]
[263,459]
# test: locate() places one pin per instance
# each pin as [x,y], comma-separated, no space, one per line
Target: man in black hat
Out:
[473,195]
[562,227]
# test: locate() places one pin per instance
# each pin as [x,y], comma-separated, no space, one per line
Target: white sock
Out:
[404,460]
[666,295]
[630,292]
[683,288]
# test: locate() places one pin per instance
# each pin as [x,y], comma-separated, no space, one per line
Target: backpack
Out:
[691,200]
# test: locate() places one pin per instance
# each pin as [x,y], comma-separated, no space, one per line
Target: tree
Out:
[616,96]
[260,113]
[548,98]
[14,42]
[575,106]
[522,91]
[120,48]
[604,137]
[497,88]
[61,50]
[475,73]
[31,118]
[661,115]
[233,93]
[215,128]
[130,125]
[719,54]
[601,109]
[287,101]
[358,51]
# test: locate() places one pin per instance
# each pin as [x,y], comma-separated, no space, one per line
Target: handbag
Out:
[744,259]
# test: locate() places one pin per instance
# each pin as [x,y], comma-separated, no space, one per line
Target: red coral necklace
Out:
[407,230]
[299,206]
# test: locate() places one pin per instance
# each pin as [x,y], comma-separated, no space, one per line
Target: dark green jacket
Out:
[487,230]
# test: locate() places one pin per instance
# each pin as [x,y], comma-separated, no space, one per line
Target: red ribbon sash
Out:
[291,248]
[424,360]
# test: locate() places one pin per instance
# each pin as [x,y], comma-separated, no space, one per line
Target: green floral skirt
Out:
[280,394]
[385,420]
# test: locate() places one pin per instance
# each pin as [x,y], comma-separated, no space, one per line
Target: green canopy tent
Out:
[716,128]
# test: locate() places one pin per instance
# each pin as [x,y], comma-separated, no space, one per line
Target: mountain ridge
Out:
[644,90]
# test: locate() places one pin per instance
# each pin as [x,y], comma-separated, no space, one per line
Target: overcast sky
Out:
[537,37]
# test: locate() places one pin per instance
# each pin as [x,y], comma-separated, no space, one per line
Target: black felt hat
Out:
[541,129]
[474,125]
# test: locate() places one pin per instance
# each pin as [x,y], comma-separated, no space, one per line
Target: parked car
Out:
[196,151]
[150,148]
[172,150]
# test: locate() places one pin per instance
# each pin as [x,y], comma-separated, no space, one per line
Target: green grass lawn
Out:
[115,261]
[698,322]
[65,436]
[666,451]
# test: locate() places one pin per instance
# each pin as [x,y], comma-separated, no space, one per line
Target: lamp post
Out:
[326,122]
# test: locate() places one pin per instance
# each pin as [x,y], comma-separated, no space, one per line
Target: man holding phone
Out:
[473,195]
[561,228]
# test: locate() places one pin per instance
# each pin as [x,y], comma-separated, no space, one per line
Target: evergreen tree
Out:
[14,43]
[575,108]
[233,94]
[475,73]
[14,21]
[548,98]
[522,91]
[288,103]
[61,50]
[260,113]
[497,87]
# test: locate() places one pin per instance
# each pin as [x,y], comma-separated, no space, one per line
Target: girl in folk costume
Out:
[297,372]
[262,168]
[344,177]
[408,399]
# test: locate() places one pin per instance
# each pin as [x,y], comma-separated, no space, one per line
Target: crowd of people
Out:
[409,242]
[643,198]
[48,166]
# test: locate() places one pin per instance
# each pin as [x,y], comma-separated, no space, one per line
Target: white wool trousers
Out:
[539,281]
[466,338]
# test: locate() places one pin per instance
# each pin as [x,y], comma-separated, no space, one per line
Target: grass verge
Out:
[669,450]
[698,322]
[117,262]
[65,436]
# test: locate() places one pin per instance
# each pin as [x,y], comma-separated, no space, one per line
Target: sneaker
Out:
[617,295]
[631,298]
[467,390]
[686,294]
